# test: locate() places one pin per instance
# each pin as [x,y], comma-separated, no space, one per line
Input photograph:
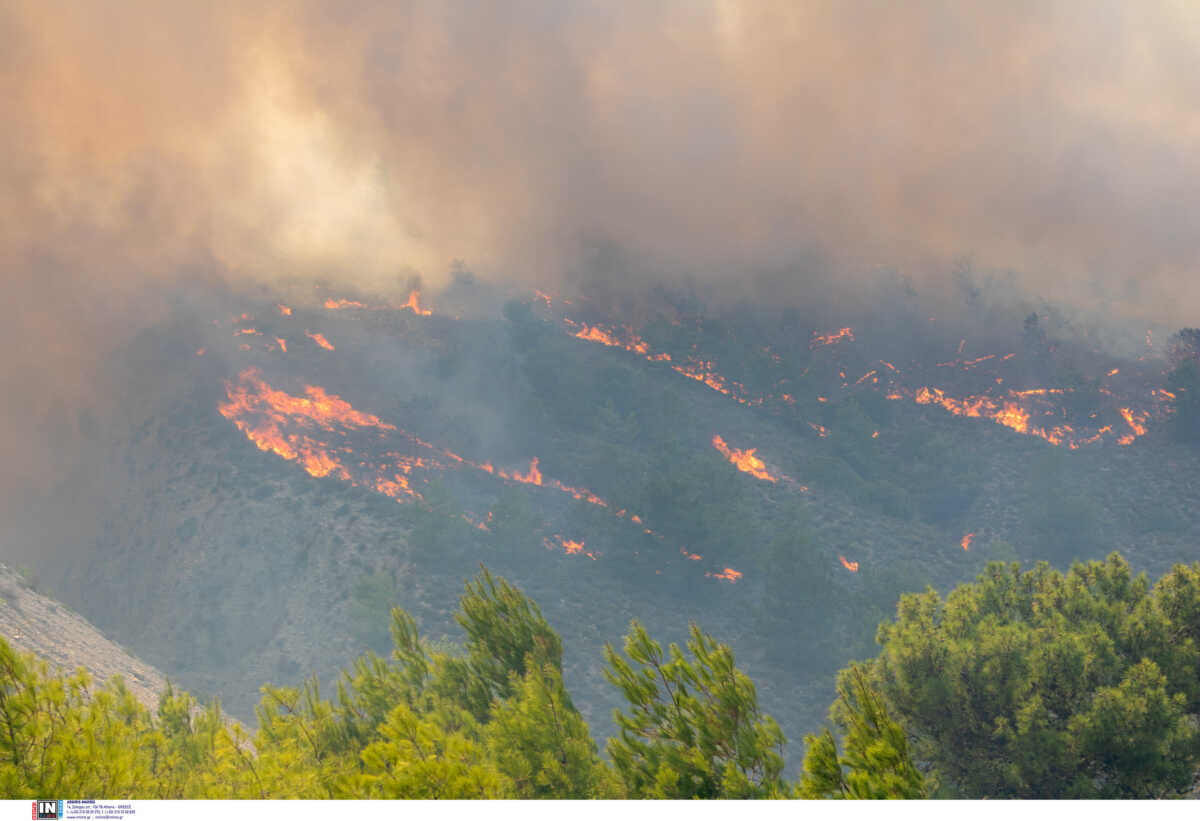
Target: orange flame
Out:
[200,351]
[1114,372]
[1136,422]
[851,566]
[338,304]
[966,541]
[832,338]
[248,331]
[284,310]
[728,574]
[743,460]
[414,304]
[282,344]
[693,557]
[320,340]
[533,477]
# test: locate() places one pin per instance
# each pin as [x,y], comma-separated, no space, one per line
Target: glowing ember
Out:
[693,557]
[743,460]
[543,297]
[414,304]
[248,331]
[282,344]
[728,574]
[284,310]
[1114,372]
[966,541]
[851,566]
[821,430]
[832,338]
[320,340]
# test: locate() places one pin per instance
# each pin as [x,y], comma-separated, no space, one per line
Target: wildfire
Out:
[1114,372]
[282,344]
[1136,422]
[832,338]
[728,574]
[692,557]
[743,460]
[320,340]
[532,477]
[851,566]
[414,304]
[571,546]
[339,304]
[284,310]
[966,541]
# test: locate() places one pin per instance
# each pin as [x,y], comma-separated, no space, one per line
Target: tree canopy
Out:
[1040,684]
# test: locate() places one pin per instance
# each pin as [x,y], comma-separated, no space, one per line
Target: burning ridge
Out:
[292,426]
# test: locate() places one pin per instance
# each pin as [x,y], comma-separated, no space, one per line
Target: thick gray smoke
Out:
[147,143]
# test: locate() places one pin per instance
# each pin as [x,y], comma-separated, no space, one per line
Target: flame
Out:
[543,297]
[284,310]
[570,546]
[533,477]
[875,435]
[692,557]
[248,331]
[851,566]
[966,541]
[728,574]
[282,344]
[821,430]
[832,338]
[338,304]
[743,460]
[1136,422]
[200,351]
[1114,372]
[414,304]
[320,340]
[865,377]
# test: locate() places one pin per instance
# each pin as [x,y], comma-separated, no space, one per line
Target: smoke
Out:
[759,146]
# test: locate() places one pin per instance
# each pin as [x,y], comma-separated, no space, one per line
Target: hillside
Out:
[290,475]
[34,623]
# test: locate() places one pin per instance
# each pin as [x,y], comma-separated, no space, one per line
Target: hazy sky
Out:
[150,142]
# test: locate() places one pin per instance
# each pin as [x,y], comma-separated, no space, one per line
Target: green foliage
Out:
[694,729]
[404,728]
[541,743]
[876,764]
[1040,684]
